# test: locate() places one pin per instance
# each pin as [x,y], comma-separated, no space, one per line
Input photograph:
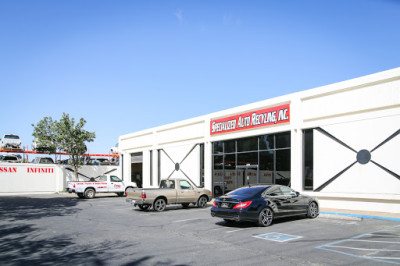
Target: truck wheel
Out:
[80,195]
[89,193]
[159,205]
[202,202]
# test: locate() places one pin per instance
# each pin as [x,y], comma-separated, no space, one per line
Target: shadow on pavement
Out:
[21,244]
[171,208]
[27,208]
[24,242]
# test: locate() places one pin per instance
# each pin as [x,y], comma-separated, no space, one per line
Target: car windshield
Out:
[115,179]
[10,158]
[247,191]
[11,137]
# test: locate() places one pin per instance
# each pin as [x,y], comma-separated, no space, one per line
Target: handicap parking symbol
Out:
[278,237]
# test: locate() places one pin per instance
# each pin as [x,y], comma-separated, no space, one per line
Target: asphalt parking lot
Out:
[62,229]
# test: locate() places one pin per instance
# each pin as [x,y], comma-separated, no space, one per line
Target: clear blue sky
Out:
[126,66]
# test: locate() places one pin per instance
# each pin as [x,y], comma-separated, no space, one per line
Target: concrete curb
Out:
[339,216]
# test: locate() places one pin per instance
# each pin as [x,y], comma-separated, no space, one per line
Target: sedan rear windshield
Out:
[247,191]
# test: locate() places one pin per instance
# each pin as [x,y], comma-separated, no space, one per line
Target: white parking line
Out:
[218,228]
[376,241]
[193,219]
[370,249]
[382,235]
[237,230]
[386,258]
[334,247]
[180,221]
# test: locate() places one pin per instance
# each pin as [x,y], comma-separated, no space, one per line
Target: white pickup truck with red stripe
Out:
[101,184]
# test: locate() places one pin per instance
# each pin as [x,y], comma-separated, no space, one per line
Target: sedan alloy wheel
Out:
[313,210]
[265,217]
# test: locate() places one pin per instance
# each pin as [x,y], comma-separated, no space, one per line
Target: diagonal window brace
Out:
[363,157]
[178,165]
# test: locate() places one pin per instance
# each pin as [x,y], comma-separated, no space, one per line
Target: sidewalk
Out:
[361,214]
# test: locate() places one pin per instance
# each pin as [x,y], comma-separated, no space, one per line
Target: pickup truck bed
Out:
[172,191]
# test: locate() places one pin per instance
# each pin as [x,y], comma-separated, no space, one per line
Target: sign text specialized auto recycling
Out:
[265,117]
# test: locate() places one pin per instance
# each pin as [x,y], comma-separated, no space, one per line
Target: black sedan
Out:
[263,203]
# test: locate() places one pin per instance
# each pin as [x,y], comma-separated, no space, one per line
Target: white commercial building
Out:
[339,143]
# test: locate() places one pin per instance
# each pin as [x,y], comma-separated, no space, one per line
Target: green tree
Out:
[66,136]
[45,135]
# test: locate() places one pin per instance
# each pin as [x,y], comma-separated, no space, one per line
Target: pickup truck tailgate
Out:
[135,193]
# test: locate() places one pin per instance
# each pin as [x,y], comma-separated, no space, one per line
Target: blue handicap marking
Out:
[278,237]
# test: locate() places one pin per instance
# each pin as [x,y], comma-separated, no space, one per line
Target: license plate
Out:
[224,205]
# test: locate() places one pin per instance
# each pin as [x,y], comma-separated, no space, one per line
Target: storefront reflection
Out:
[255,160]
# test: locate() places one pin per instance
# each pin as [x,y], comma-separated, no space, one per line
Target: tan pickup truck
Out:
[171,191]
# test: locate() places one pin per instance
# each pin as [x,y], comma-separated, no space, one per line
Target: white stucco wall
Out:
[361,113]
[21,178]
[29,178]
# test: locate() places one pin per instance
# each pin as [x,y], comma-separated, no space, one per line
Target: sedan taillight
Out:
[242,205]
[214,204]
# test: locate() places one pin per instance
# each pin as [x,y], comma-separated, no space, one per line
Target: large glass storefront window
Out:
[282,166]
[267,167]
[229,169]
[218,148]
[308,155]
[218,171]
[261,159]
[247,144]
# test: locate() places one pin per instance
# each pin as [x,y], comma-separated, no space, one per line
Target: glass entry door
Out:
[246,174]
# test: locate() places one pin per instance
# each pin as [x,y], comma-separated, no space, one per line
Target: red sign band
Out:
[260,118]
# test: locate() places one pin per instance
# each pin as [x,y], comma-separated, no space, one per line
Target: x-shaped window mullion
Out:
[180,169]
[350,148]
